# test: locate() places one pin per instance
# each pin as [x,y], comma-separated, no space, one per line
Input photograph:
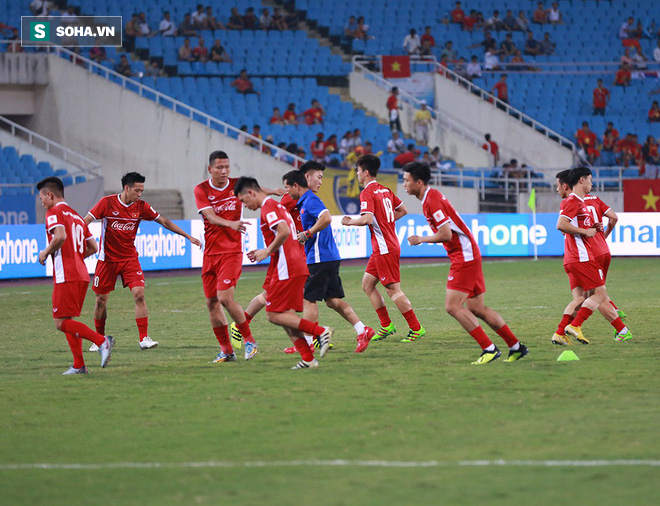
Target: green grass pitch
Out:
[419,402]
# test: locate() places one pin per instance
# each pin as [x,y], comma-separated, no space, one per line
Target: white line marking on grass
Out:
[335,463]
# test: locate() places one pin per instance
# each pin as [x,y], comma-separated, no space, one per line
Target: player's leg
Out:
[255,305]
[590,305]
[405,308]
[220,328]
[369,284]
[301,346]
[142,318]
[101,312]
[227,300]
[105,278]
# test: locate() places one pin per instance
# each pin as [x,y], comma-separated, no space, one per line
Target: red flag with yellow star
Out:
[641,195]
[396,66]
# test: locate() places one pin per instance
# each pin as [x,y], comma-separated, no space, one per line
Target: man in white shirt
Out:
[143,26]
[396,145]
[412,42]
[199,18]
[656,53]
[40,7]
[491,60]
[167,28]
[69,16]
[626,28]
[473,69]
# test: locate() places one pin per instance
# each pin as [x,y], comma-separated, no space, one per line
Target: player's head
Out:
[249,192]
[132,184]
[295,183]
[51,191]
[313,172]
[416,175]
[367,165]
[219,168]
[563,189]
[580,178]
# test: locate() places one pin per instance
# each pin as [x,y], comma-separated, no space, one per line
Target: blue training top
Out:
[321,247]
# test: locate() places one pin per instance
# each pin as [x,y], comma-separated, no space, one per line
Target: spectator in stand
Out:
[547,46]
[540,16]
[473,69]
[186,28]
[152,70]
[588,142]
[256,132]
[357,137]
[167,28]
[412,43]
[423,124]
[627,28]
[186,51]
[235,20]
[458,14]
[496,22]
[250,20]
[265,20]
[425,49]
[435,157]
[243,84]
[362,31]
[317,148]
[278,20]
[314,115]
[16,46]
[508,47]
[124,67]
[393,109]
[212,22]
[623,150]
[650,157]
[532,46]
[276,118]
[623,76]
[501,89]
[350,28]
[492,147]
[626,58]
[610,139]
[98,54]
[199,20]
[40,8]
[491,60]
[281,153]
[201,52]
[406,157]
[654,113]
[517,60]
[243,136]
[290,117]
[428,38]
[448,52]
[346,143]
[601,98]
[219,53]
[656,53]
[470,22]
[555,16]
[131,31]
[639,59]
[461,68]
[523,22]
[488,43]
[396,145]
[510,23]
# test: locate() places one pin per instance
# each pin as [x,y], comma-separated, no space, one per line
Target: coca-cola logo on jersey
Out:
[225,206]
[123,226]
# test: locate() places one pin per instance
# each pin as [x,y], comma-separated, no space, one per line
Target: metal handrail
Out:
[167,101]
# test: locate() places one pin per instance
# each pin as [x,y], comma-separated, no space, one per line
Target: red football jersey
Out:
[120,226]
[291,206]
[289,260]
[600,97]
[218,240]
[69,260]
[598,208]
[381,202]
[438,211]
[577,248]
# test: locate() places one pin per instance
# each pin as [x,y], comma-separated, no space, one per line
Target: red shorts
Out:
[284,295]
[586,275]
[68,298]
[221,272]
[106,274]
[385,268]
[467,277]
[603,262]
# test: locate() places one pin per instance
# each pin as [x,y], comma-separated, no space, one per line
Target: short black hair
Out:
[246,183]
[218,154]
[295,177]
[130,178]
[369,163]
[563,176]
[418,170]
[487,136]
[576,174]
[310,166]
[52,184]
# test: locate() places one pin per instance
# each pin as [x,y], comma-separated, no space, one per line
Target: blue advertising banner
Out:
[17,209]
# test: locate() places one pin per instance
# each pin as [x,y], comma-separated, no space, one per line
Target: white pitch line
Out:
[334,463]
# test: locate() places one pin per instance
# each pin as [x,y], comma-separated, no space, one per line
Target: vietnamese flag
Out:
[641,195]
[395,66]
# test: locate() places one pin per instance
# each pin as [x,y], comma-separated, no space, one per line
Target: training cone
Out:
[567,356]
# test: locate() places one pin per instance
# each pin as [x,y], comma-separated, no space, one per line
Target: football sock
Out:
[565,320]
[581,317]
[244,329]
[310,327]
[490,348]
[614,305]
[506,334]
[412,320]
[143,327]
[515,347]
[481,337]
[303,348]
[383,316]
[248,317]
[75,343]
[222,335]
[79,329]
[100,326]
[359,327]
[618,325]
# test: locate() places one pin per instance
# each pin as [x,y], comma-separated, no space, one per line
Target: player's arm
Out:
[214,219]
[173,227]
[442,235]
[282,233]
[322,222]
[363,220]
[612,221]
[59,236]
[400,212]
[90,247]
[278,191]
[564,225]
[88,218]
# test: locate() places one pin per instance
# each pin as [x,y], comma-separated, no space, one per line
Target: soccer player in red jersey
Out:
[598,210]
[379,209]
[121,215]
[69,243]
[223,255]
[287,271]
[584,271]
[466,285]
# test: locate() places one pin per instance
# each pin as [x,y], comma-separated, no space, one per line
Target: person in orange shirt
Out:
[314,115]
[276,118]
[290,117]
